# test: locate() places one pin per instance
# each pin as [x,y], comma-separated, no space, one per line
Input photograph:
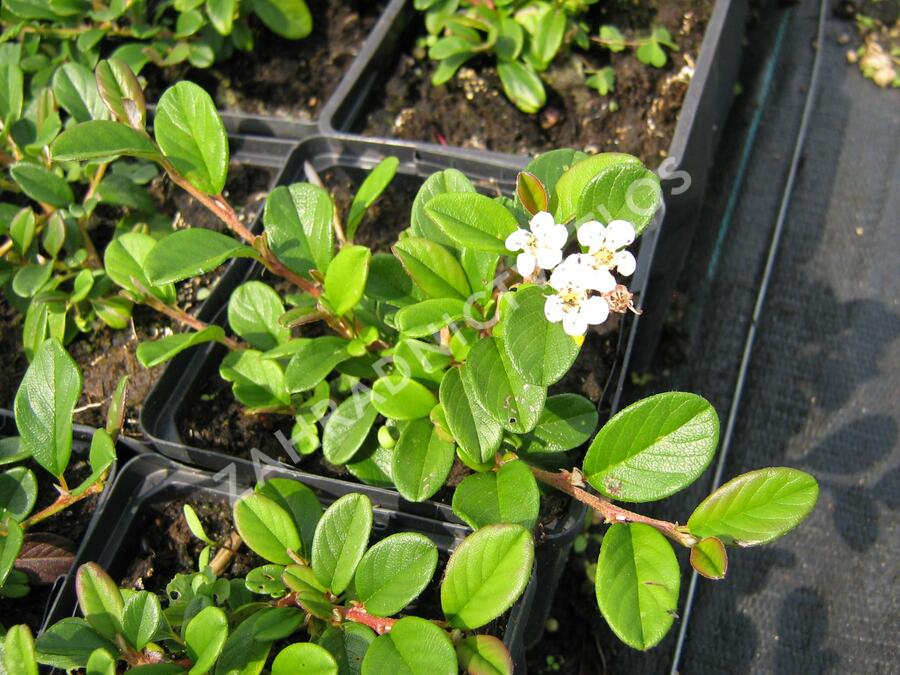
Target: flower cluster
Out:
[586,289]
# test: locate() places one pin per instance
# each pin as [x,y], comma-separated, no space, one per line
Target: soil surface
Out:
[69,524]
[472,111]
[106,354]
[285,78]
[165,545]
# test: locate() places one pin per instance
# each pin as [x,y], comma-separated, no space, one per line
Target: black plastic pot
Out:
[691,152]
[62,593]
[151,479]
[180,386]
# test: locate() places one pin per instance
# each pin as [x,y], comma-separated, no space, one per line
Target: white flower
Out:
[605,252]
[573,304]
[541,247]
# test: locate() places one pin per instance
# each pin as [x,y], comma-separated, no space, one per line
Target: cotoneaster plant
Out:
[526,37]
[447,347]
[325,602]
[44,406]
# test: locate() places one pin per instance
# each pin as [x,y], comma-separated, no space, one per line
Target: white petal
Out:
[525,264]
[556,236]
[517,241]
[553,309]
[548,258]
[594,310]
[574,324]
[619,233]
[565,275]
[600,280]
[591,234]
[541,220]
[624,262]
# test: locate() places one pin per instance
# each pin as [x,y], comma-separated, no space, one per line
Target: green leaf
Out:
[257,382]
[522,86]
[18,493]
[191,253]
[155,352]
[42,184]
[756,507]
[653,448]
[372,465]
[484,655]
[370,190]
[290,19]
[100,600]
[348,645]
[531,193]
[266,528]
[120,190]
[45,403]
[510,39]
[539,350]
[124,260]
[10,546]
[115,312]
[266,580]
[121,92]
[195,525]
[304,658]
[347,428]
[277,623]
[101,457]
[448,47]
[18,652]
[549,37]
[399,398]
[429,316]
[709,558]
[413,647]
[314,361]
[12,450]
[486,575]
[142,618]
[394,572]
[423,361]
[69,644]
[433,268]
[11,88]
[101,662]
[548,167]
[604,81]
[624,192]
[510,495]
[442,182]
[204,637]
[101,139]
[345,278]
[472,220]
[340,541]
[299,501]
[637,584]
[387,280]
[22,229]
[253,311]
[477,434]
[499,388]
[76,90]
[191,135]
[30,279]
[575,179]
[298,224]
[567,421]
[221,15]
[422,460]
[242,654]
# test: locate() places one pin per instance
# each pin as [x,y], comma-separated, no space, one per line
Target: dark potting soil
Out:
[67,527]
[165,545]
[105,355]
[285,78]
[471,110]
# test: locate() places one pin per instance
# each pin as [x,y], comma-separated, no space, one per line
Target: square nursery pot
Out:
[356,48]
[61,594]
[689,158]
[183,385]
[151,480]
